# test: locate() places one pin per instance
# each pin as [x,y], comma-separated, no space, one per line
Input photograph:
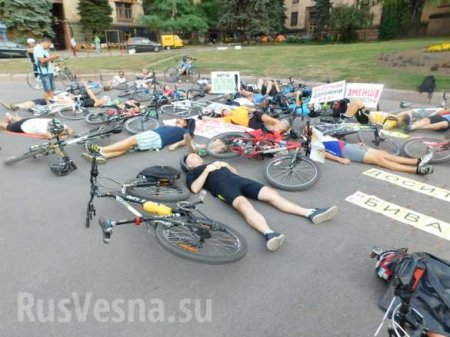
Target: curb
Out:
[388,94]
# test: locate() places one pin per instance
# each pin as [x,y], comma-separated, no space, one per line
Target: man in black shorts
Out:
[222,181]
[438,122]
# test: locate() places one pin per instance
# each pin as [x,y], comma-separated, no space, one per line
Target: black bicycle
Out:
[179,230]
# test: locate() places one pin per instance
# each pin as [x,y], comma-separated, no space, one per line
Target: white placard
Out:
[328,92]
[368,93]
[225,82]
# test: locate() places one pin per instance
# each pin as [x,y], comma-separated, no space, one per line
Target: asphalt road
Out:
[320,283]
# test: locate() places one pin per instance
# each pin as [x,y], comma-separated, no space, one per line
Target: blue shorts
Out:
[354,152]
[48,82]
[148,140]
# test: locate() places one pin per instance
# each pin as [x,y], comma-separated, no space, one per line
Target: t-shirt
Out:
[239,116]
[214,180]
[171,134]
[447,117]
[36,126]
[41,52]
[333,146]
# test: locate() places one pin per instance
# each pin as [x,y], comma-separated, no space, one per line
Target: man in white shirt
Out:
[38,127]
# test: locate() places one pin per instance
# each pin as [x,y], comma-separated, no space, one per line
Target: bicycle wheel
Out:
[291,173]
[227,145]
[170,193]
[183,238]
[193,75]
[33,81]
[142,95]
[176,110]
[171,74]
[32,152]
[416,148]
[139,124]
[74,115]
[99,117]
[121,86]
[367,137]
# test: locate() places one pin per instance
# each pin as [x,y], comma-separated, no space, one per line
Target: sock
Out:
[268,231]
[419,160]
[311,211]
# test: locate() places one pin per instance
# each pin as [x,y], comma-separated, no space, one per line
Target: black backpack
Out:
[428,85]
[164,175]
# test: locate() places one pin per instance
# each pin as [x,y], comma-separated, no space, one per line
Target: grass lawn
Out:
[353,62]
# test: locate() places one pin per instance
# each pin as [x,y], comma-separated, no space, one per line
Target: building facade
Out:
[125,14]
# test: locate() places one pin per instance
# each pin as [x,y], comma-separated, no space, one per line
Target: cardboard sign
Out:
[368,93]
[225,82]
[418,220]
[328,92]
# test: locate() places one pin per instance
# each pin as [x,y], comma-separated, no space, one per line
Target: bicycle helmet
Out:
[55,126]
[62,167]
[387,262]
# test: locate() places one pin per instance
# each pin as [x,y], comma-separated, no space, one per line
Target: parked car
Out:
[9,49]
[142,44]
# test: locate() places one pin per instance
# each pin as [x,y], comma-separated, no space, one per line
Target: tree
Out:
[173,15]
[253,17]
[27,17]
[346,19]
[321,18]
[95,15]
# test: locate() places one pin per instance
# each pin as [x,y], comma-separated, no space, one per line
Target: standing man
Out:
[43,60]
[73,46]
[97,44]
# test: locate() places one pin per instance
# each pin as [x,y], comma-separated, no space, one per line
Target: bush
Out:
[345,20]
[299,38]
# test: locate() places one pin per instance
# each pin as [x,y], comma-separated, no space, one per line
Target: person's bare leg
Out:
[260,84]
[123,145]
[270,121]
[97,101]
[394,158]
[251,215]
[433,127]
[353,107]
[374,158]
[3,126]
[114,154]
[247,94]
[275,199]
[269,85]
[420,123]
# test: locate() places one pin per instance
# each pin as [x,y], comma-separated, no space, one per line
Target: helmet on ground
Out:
[62,167]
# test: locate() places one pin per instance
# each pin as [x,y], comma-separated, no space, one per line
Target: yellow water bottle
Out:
[158,209]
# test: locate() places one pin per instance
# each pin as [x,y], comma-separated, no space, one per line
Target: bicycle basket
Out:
[165,175]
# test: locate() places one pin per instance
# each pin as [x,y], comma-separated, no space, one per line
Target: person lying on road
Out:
[39,127]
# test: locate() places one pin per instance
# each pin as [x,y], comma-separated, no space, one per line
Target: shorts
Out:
[87,103]
[354,152]
[239,187]
[16,126]
[48,82]
[437,119]
[148,140]
[255,121]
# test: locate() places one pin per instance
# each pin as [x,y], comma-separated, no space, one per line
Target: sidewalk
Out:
[388,94]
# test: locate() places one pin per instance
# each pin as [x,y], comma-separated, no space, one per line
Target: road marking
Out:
[414,185]
[401,214]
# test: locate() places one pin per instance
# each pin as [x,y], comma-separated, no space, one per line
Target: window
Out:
[294,18]
[124,12]
[295,1]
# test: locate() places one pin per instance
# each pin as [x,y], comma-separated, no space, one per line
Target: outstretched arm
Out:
[340,160]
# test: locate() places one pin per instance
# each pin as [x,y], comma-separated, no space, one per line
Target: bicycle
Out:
[191,74]
[61,73]
[56,144]
[177,229]
[417,147]
[68,110]
[291,171]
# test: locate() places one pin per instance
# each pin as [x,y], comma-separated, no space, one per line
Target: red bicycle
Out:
[290,168]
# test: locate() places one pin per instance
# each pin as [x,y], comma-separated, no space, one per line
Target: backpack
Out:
[428,85]
[164,175]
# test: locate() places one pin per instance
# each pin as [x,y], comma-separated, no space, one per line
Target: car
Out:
[142,44]
[9,49]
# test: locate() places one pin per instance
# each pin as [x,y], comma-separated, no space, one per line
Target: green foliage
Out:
[253,17]
[95,15]
[321,18]
[28,17]
[173,16]
[346,19]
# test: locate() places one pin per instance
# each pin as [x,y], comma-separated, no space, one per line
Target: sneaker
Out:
[100,159]
[274,240]
[425,170]
[425,159]
[320,215]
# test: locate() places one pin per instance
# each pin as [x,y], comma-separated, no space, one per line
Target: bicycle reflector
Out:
[137,220]
[418,273]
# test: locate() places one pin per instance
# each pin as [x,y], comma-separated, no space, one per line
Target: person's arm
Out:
[298,100]
[340,160]
[198,183]
[187,140]
[228,166]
